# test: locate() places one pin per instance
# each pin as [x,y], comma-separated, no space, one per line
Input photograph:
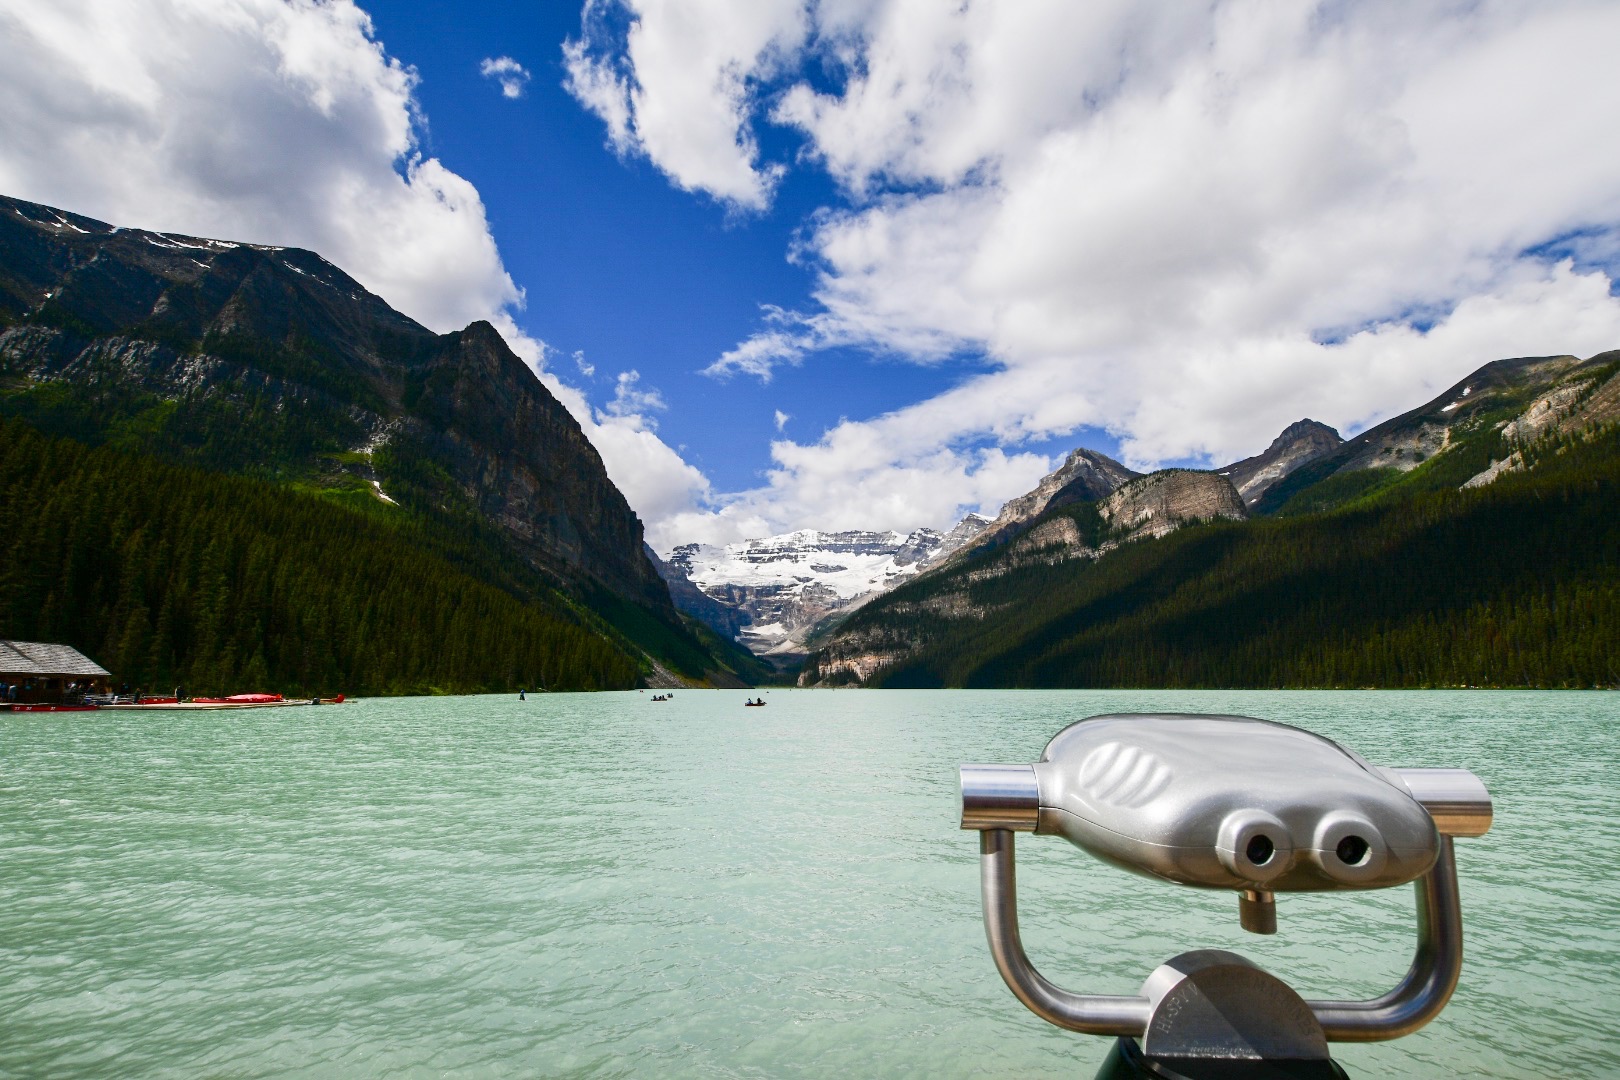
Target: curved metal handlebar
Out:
[1087,1013]
[1428,985]
[1416,1000]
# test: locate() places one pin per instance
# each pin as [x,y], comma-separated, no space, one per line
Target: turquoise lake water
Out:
[601,886]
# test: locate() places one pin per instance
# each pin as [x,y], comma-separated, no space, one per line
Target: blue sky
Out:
[615,262]
[815,263]
[622,266]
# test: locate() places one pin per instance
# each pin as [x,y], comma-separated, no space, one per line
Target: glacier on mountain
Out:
[784,586]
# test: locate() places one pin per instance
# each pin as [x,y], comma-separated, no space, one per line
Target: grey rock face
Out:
[1159,503]
[1084,476]
[1300,442]
[964,533]
[1584,402]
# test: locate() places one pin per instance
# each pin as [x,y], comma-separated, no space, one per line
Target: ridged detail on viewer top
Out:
[1118,774]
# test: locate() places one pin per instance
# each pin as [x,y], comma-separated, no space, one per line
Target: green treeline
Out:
[169,575]
[1514,584]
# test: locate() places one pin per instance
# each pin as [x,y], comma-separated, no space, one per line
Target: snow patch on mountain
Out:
[786,585]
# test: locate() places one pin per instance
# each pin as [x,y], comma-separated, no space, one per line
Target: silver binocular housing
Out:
[1227,802]
[1230,802]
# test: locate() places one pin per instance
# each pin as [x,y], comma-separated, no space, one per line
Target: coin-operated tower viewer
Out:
[1258,808]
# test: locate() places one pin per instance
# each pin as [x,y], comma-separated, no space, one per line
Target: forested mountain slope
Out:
[1458,435]
[176,576]
[273,364]
[1492,561]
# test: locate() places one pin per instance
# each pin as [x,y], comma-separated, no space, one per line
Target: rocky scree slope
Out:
[273,363]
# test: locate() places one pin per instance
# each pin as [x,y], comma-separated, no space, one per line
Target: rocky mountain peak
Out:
[918,545]
[1084,476]
[1300,443]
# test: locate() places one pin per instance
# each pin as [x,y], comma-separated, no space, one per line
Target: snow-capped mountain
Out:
[782,586]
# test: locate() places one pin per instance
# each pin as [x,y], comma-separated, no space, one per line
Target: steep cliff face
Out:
[1161,502]
[524,462]
[274,363]
[1299,444]
[726,621]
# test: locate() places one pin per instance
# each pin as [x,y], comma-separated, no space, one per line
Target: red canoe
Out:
[236,699]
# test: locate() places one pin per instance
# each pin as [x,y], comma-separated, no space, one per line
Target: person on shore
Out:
[521,696]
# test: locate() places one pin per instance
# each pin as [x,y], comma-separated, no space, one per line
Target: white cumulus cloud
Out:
[630,400]
[283,122]
[511,75]
[1186,226]
[675,80]
[260,120]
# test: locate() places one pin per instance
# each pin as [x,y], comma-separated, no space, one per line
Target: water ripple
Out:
[588,886]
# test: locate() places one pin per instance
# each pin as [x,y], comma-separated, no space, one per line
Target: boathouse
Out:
[43,673]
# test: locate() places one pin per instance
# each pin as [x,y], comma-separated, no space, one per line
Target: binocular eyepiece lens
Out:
[1260,850]
[1352,850]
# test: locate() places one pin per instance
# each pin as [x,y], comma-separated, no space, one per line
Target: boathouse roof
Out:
[44,658]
